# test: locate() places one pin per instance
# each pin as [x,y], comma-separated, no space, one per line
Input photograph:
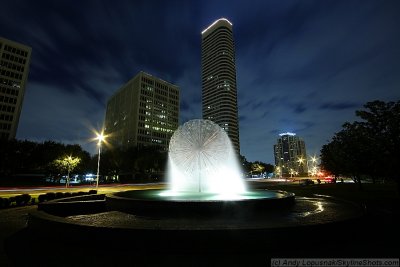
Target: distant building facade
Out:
[14,70]
[218,74]
[143,112]
[290,155]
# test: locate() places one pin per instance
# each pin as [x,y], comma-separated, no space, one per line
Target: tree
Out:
[366,148]
[257,168]
[66,164]
[260,168]
[246,166]
[269,168]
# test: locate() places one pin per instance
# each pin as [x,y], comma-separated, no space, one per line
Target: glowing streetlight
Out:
[279,171]
[301,161]
[314,168]
[100,137]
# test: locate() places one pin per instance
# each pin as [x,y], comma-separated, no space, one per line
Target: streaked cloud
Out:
[302,66]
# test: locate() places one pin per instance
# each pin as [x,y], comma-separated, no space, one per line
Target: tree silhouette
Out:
[366,148]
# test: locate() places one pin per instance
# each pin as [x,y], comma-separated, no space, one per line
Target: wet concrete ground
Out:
[12,220]
[161,243]
[374,235]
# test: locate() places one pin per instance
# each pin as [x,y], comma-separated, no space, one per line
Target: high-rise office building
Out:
[290,155]
[143,112]
[218,74]
[14,70]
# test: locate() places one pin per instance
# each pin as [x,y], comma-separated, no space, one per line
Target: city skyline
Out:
[302,67]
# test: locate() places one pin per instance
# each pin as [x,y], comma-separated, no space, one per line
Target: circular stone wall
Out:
[153,203]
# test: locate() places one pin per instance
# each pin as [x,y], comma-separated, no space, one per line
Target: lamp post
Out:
[100,138]
[301,168]
[68,160]
[278,172]
[314,160]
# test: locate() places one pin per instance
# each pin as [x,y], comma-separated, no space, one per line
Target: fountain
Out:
[205,179]
[206,210]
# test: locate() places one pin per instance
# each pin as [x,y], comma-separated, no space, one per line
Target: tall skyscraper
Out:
[14,70]
[218,74]
[143,112]
[290,155]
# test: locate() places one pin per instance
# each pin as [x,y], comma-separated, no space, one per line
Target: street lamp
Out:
[100,138]
[300,168]
[314,161]
[278,171]
[68,161]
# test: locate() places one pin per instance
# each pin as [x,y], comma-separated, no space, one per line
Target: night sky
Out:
[302,66]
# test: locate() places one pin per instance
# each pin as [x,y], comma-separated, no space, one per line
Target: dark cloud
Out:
[338,106]
[299,108]
[302,66]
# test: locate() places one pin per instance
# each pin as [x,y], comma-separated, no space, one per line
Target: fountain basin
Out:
[164,203]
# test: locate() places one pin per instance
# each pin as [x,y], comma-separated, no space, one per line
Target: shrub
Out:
[6,202]
[42,198]
[80,193]
[19,201]
[92,192]
[12,199]
[51,196]
[60,195]
[67,194]
[1,202]
[26,198]
[33,201]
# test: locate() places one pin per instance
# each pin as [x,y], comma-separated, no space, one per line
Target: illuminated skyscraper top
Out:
[219,92]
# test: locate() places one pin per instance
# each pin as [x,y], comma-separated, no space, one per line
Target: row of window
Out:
[144,132]
[163,86]
[162,91]
[5,117]
[10,57]
[5,126]
[160,95]
[15,50]
[4,81]
[7,99]
[146,92]
[9,91]
[147,80]
[152,140]
[7,108]
[11,74]
[12,66]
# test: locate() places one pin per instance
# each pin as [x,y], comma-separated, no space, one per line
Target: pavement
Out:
[373,237]
[12,220]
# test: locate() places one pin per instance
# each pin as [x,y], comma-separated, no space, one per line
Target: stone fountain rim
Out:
[285,195]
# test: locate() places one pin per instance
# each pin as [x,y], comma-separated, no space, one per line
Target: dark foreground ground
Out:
[374,235]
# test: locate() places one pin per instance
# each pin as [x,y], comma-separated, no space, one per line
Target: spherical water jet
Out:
[202,160]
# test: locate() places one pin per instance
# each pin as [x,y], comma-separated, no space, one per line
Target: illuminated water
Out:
[201,161]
